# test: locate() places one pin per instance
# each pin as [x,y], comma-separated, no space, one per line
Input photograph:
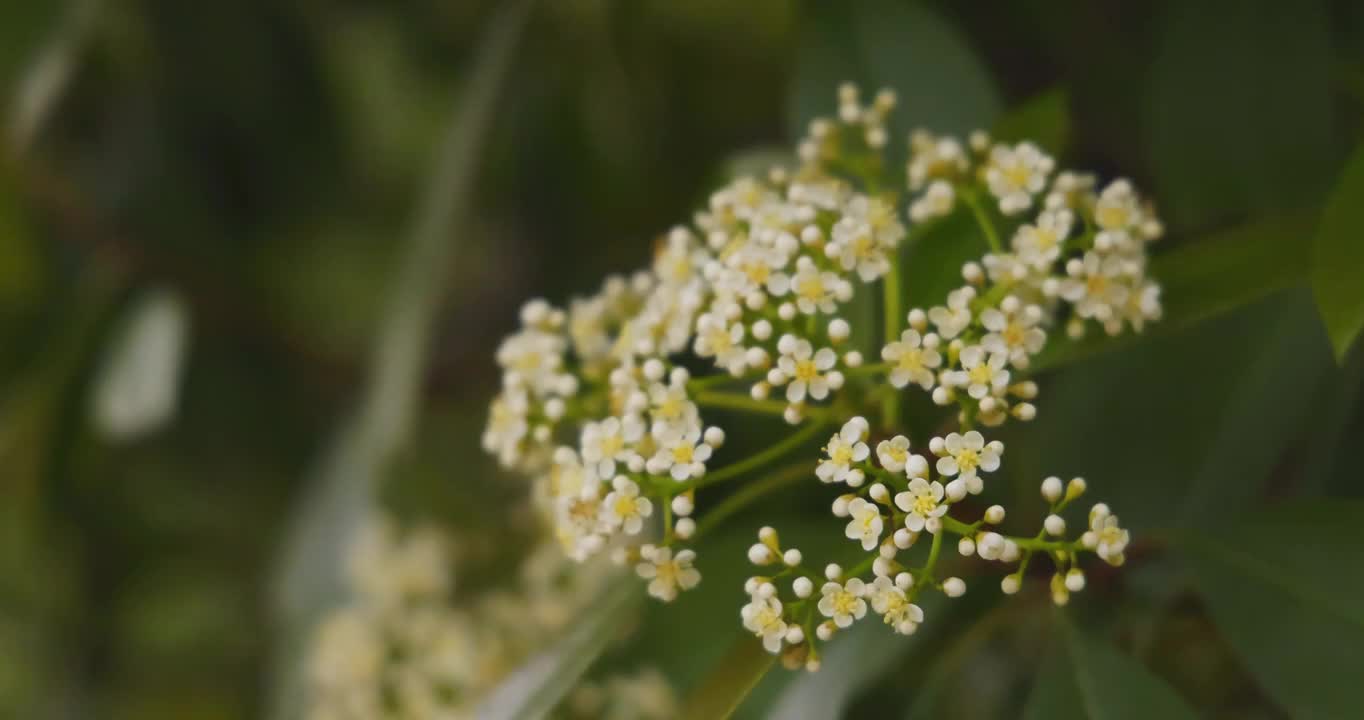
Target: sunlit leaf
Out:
[538,685]
[1285,590]
[720,694]
[1338,258]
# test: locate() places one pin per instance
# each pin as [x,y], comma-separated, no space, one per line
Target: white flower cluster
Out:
[406,647]
[887,518]
[598,405]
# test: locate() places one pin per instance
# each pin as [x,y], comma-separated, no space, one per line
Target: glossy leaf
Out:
[1055,695]
[1285,590]
[1338,258]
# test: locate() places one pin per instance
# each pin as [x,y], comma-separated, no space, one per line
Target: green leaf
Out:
[535,688]
[1234,128]
[1338,258]
[1285,590]
[720,694]
[1055,695]
[1108,685]
[1043,119]
[940,81]
[1215,400]
[1205,278]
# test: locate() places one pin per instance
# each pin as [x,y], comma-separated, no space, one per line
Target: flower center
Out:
[968,460]
[981,374]
[844,603]
[911,359]
[683,453]
[806,370]
[811,287]
[625,507]
[924,504]
[841,455]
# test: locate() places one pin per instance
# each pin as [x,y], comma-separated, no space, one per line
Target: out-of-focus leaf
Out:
[1220,401]
[1055,696]
[1285,590]
[135,393]
[848,665]
[47,74]
[1338,258]
[1233,128]
[535,688]
[1043,119]
[730,681]
[940,81]
[342,487]
[1113,686]
[1206,278]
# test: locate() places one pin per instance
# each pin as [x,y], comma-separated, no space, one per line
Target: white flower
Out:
[671,408]
[983,374]
[1014,175]
[923,502]
[845,449]
[865,524]
[1095,285]
[806,369]
[910,361]
[507,427]
[854,246]
[624,508]
[1116,209]
[843,603]
[968,453]
[576,520]
[1040,245]
[893,453]
[890,602]
[934,157]
[667,574]
[682,455]
[610,441]
[937,201]
[763,617]
[1013,331]
[1110,539]
[956,316]
[724,342]
[818,291]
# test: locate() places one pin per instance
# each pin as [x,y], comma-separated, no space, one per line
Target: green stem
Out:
[983,220]
[731,401]
[755,461]
[890,405]
[750,493]
[696,385]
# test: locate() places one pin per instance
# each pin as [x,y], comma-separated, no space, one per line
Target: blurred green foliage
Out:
[261,160]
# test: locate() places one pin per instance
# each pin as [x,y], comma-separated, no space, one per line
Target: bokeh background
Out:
[204,207]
